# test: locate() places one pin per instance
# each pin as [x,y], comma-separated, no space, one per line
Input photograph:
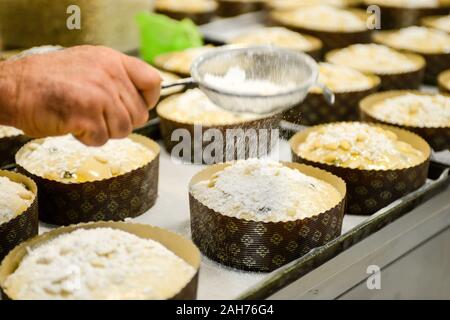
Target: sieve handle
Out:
[187,82]
[327,93]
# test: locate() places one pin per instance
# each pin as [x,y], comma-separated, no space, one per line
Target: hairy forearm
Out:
[9,75]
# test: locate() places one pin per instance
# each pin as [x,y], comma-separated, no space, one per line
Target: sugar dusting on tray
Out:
[237,81]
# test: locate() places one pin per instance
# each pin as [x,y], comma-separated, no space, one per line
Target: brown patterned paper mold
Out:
[372,190]
[199,12]
[11,140]
[252,245]
[333,37]
[124,196]
[295,4]
[23,225]
[433,45]
[444,81]
[180,246]
[231,8]
[395,79]
[395,14]
[179,127]
[438,136]
[315,110]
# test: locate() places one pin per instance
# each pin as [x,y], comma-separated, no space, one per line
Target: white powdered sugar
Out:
[415,110]
[419,39]
[237,81]
[14,199]
[276,36]
[102,264]
[358,146]
[66,159]
[442,23]
[373,58]
[265,190]
[194,107]
[342,79]
[6,131]
[324,17]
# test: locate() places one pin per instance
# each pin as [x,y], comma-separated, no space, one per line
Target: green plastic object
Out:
[160,34]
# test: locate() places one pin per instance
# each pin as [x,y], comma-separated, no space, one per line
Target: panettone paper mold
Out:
[182,247]
[372,190]
[262,246]
[401,79]
[196,17]
[435,62]
[396,17]
[231,8]
[9,147]
[25,225]
[168,126]
[437,137]
[316,110]
[126,196]
[330,39]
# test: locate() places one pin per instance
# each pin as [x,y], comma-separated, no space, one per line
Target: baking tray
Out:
[171,211]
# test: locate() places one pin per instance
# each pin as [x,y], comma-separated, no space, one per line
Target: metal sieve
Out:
[291,69]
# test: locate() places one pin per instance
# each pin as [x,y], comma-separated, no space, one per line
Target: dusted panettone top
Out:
[67,160]
[374,58]
[14,199]
[194,107]
[180,62]
[358,146]
[191,6]
[406,3]
[6,131]
[343,79]
[265,190]
[414,110]
[438,22]
[99,264]
[419,39]
[278,36]
[291,4]
[323,18]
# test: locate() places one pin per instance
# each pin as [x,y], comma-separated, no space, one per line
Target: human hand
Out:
[95,93]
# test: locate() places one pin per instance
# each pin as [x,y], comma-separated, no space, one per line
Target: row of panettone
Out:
[251,214]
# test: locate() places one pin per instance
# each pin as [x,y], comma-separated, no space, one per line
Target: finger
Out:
[118,119]
[145,78]
[133,102]
[95,133]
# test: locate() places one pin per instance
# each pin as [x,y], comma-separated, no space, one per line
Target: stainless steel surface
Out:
[412,253]
[280,66]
